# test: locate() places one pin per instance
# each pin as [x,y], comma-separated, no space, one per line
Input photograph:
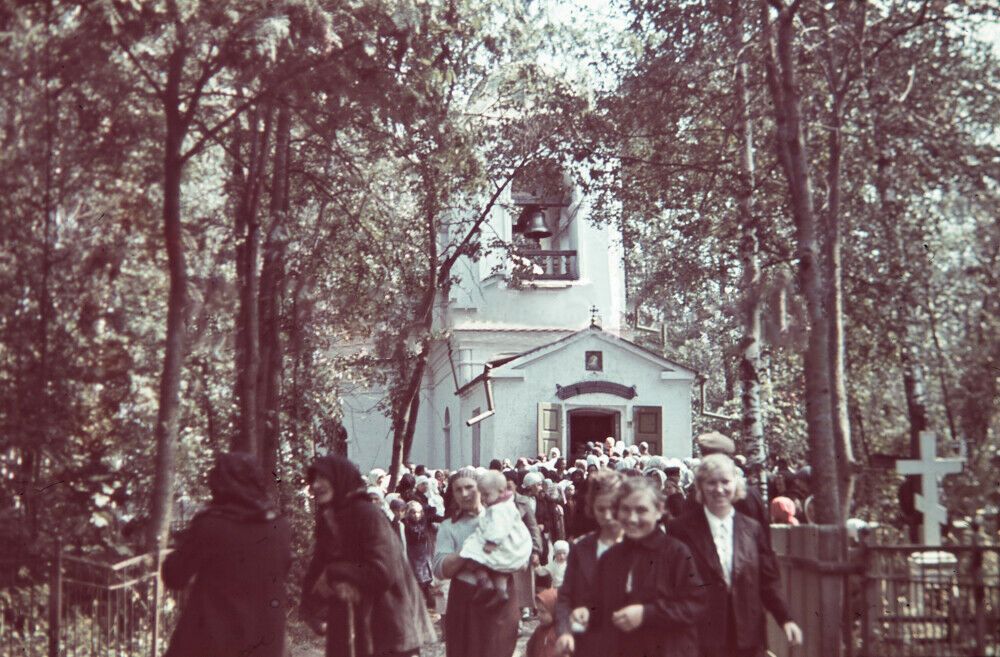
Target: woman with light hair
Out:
[737,565]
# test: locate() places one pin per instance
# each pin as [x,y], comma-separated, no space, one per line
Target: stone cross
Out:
[929,467]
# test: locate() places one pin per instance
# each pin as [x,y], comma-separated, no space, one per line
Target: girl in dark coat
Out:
[647,594]
[581,567]
[238,551]
[359,581]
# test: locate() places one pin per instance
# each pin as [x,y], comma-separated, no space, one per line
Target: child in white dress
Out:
[500,545]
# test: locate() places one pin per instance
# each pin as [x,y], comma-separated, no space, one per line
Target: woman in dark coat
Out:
[359,580]
[736,563]
[238,550]
[647,594]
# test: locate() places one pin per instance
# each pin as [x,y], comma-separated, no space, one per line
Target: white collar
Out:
[715,522]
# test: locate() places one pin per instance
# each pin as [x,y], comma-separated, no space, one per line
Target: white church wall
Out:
[369,431]
[676,419]
[514,425]
[473,403]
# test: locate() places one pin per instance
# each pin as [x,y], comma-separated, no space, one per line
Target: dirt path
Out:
[303,643]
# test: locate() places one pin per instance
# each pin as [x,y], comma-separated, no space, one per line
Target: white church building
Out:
[534,357]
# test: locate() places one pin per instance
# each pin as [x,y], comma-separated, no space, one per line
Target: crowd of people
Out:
[617,552]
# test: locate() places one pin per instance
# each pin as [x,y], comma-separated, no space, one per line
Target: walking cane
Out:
[350,629]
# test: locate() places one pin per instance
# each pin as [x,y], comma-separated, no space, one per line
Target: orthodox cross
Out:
[593,315]
[929,467]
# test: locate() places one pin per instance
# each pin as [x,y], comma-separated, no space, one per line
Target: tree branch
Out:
[445,269]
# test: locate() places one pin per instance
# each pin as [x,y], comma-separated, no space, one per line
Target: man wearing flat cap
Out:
[714,442]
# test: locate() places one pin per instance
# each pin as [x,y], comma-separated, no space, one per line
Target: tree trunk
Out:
[915,389]
[272,283]
[835,306]
[248,186]
[168,413]
[752,426]
[407,405]
[406,408]
[942,362]
[38,422]
[793,156]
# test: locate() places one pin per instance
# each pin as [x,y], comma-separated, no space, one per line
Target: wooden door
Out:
[647,423]
[549,427]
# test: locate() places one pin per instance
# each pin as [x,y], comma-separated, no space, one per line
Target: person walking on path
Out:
[238,550]
[751,503]
[736,563]
[578,581]
[647,595]
[501,544]
[420,548]
[543,640]
[470,629]
[359,583]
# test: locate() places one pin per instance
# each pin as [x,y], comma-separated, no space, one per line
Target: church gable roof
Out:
[527,358]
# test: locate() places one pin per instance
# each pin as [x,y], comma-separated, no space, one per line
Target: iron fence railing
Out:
[920,601]
[67,606]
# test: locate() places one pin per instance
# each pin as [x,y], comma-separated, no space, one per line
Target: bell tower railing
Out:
[551,265]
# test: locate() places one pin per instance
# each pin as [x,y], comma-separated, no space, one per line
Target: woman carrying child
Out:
[470,628]
[500,545]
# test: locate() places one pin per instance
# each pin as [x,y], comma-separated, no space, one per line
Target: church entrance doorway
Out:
[591,425]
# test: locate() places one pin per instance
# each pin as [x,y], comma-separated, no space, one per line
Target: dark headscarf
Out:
[343,475]
[238,489]
[407,484]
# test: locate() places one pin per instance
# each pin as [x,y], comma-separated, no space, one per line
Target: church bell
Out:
[535,226]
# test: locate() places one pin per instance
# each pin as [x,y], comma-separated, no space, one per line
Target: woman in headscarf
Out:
[423,491]
[783,511]
[407,487]
[359,581]
[238,550]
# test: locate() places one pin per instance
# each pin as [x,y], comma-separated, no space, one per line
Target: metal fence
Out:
[24,610]
[919,601]
[75,607]
[887,600]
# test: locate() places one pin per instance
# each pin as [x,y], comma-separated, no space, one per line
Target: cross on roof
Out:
[929,467]
[593,315]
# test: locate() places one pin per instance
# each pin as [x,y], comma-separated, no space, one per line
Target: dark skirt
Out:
[472,631]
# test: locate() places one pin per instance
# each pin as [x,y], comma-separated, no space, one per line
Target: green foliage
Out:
[405,119]
[918,196]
